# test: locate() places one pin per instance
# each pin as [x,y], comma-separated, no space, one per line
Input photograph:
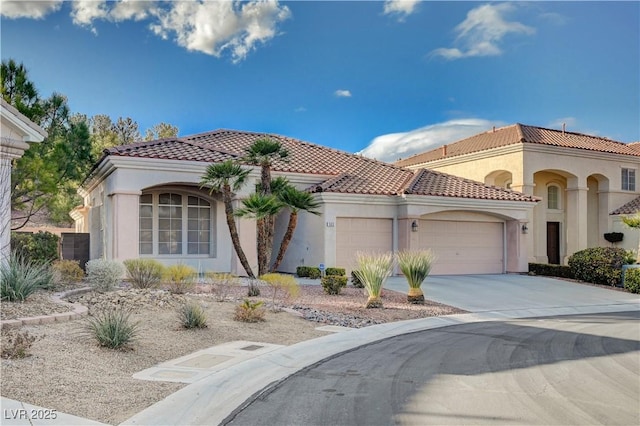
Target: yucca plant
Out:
[19,278]
[415,265]
[373,271]
[191,315]
[112,328]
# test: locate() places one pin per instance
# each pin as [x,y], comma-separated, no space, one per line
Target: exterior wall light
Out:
[525,228]
[414,226]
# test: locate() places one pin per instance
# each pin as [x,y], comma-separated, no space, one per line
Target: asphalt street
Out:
[578,369]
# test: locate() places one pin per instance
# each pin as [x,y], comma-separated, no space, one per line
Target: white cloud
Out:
[341,93]
[211,27]
[391,147]
[28,9]
[300,109]
[481,33]
[217,26]
[400,8]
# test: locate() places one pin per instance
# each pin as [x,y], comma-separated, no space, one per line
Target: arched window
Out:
[175,224]
[553,197]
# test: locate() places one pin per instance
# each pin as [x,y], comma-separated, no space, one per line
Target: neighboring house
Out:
[580,178]
[144,200]
[16,132]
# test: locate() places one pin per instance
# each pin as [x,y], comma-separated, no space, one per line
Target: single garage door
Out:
[464,247]
[360,234]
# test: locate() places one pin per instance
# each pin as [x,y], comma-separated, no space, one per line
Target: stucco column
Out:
[576,220]
[125,235]
[5,207]
[534,221]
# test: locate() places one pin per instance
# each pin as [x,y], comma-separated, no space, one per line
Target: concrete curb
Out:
[76,310]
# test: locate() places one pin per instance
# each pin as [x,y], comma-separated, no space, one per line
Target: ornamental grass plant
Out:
[19,278]
[144,273]
[112,328]
[415,265]
[373,271]
[191,315]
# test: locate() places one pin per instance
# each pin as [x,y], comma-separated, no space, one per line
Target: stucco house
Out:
[584,181]
[144,200]
[16,133]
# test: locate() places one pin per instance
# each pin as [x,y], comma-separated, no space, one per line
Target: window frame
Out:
[184,228]
[628,182]
[558,200]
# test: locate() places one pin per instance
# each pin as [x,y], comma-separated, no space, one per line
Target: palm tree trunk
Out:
[263,261]
[286,239]
[233,230]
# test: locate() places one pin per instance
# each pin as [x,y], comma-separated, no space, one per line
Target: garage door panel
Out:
[464,247]
[361,234]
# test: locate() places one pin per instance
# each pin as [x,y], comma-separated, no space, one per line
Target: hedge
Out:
[550,270]
[599,265]
[39,248]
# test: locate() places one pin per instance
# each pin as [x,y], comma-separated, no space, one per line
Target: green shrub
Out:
[632,280]
[550,270]
[180,278]
[599,265]
[312,272]
[355,280]
[19,278]
[191,315]
[66,272]
[144,273]
[415,265]
[104,274]
[249,311]
[335,271]
[40,248]
[333,284]
[373,271]
[281,284]
[112,328]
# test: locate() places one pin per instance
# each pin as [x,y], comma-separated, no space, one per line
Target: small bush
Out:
[112,328]
[221,284]
[355,280]
[333,284]
[599,265]
[144,273]
[180,278]
[283,284]
[16,344]
[191,315]
[104,274]
[632,280]
[335,271]
[19,278]
[249,311]
[550,270]
[66,272]
[39,248]
[312,272]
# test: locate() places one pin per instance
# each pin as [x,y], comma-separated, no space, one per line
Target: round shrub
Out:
[67,272]
[104,274]
[40,248]
[335,271]
[144,273]
[180,278]
[332,284]
[599,265]
[632,280]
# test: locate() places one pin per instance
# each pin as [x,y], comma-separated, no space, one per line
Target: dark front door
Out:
[553,242]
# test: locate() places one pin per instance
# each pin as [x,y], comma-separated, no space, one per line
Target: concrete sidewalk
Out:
[211,400]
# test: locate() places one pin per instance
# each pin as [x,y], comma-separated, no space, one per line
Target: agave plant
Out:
[415,265]
[373,271]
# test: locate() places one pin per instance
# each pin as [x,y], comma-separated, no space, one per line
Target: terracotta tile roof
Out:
[169,149]
[520,133]
[631,207]
[429,182]
[348,173]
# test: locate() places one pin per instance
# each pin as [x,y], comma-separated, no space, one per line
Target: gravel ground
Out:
[67,371]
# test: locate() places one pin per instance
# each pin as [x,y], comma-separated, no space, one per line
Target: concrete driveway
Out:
[490,293]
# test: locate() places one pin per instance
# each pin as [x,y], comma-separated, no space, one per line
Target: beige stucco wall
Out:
[590,185]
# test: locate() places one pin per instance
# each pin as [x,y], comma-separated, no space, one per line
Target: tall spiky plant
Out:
[415,265]
[373,271]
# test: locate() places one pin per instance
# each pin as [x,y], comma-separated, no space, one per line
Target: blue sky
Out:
[386,78]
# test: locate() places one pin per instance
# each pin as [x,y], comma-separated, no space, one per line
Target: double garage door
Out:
[461,247]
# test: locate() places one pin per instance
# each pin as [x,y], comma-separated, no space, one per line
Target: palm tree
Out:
[295,200]
[226,177]
[263,152]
